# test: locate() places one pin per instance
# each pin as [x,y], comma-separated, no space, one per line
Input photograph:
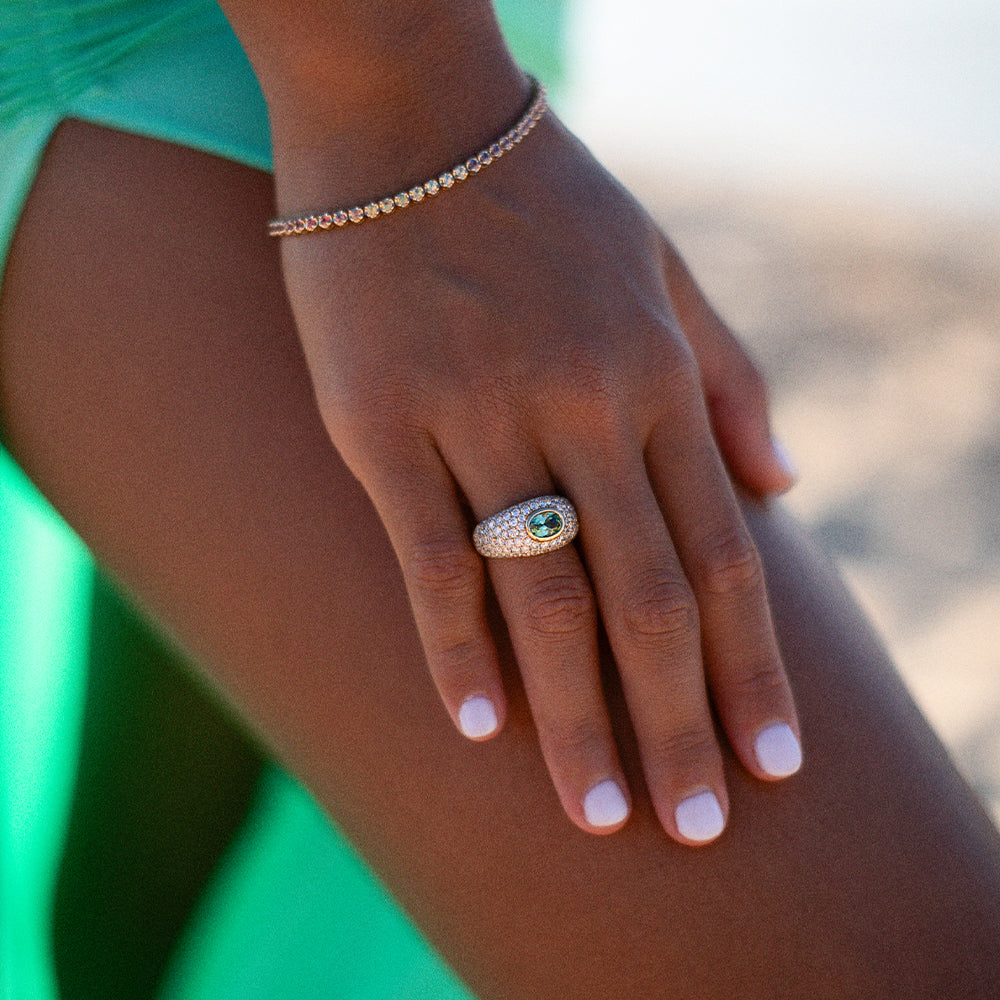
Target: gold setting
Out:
[537,513]
[446,179]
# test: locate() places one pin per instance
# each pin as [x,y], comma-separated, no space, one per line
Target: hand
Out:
[530,332]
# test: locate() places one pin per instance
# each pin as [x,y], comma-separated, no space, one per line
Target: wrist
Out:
[383,101]
[366,150]
[412,194]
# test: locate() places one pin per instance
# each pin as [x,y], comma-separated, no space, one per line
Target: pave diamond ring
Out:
[528,528]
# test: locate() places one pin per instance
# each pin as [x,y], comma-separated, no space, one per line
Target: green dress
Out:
[289,911]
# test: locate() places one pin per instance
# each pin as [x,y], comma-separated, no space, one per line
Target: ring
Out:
[528,528]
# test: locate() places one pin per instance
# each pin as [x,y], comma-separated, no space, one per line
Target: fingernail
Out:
[778,751]
[784,459]
[605,805]
[700,817]
[477,717]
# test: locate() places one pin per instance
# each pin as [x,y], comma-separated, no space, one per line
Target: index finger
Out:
[746,677]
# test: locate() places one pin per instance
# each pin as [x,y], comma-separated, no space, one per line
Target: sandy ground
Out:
[880,334]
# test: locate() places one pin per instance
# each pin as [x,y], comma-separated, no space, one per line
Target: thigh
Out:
[152,385]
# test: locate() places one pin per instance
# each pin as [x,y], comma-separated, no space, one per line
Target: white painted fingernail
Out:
[700,817]
[605,804]
[778,751]
[477,717]
[784,459]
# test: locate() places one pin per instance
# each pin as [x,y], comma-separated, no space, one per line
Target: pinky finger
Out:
[446,584]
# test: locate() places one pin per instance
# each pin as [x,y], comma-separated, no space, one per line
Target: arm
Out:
[518,337]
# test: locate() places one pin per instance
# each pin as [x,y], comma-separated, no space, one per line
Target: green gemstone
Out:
[545,524]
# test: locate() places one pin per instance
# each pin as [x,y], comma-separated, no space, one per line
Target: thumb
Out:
[738,408]
[735,391]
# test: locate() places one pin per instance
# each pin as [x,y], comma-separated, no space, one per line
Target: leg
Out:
[177,434]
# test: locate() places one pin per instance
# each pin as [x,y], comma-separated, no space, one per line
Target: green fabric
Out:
[45,581]
[292,912]
[534,30]
[169,70]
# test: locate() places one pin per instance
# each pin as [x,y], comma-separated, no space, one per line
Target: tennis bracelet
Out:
[460,172]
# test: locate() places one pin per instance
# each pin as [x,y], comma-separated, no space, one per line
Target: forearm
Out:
[365,97]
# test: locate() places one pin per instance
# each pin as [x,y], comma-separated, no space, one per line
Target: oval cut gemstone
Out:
[545,524]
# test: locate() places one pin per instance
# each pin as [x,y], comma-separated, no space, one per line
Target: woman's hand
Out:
[529,332]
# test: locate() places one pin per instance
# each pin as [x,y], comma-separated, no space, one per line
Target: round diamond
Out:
[446,179]
[417,193]
[356,214]
[386,205]
[402,199]
[432,186]
[460,172]
[545,525]
[371,210]
[340,218]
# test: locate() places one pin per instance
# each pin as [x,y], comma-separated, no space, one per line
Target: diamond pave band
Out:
[528,528]
[402,199]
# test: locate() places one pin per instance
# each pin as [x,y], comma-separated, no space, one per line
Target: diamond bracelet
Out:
[459,172]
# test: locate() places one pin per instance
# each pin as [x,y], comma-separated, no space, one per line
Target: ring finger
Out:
[549,608]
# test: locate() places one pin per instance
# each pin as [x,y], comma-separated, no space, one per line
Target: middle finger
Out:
[652,621]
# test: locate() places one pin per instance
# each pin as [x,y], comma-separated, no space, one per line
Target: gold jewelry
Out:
[459,172]
[527,529]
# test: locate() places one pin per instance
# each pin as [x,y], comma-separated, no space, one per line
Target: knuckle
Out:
[578,737]
[444,568]
[684,749]
[675,368]
[589,386]
[458,664]
[761,681]
[560,605]
[663,610]
[728,565]
[587,370]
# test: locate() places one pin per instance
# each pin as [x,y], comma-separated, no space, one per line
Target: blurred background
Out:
[831,171]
